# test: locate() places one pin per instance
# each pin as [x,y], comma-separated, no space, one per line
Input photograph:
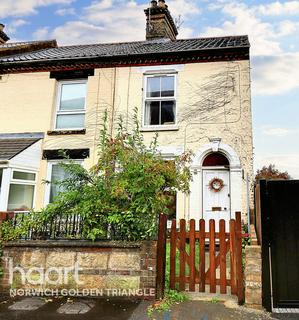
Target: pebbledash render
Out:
[194,92]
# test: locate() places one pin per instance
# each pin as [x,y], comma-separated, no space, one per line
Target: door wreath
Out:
[216,184]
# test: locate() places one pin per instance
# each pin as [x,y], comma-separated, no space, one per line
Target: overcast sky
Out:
[273,28]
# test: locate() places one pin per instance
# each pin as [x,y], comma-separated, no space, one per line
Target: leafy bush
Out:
[121,196]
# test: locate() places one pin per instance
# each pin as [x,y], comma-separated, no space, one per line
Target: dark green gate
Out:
[279,208]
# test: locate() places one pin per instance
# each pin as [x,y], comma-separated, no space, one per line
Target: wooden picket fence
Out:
[218,248]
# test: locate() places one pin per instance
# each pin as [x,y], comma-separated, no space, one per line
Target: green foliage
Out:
[270,172]
[215,300]
[121,196]
[23,223]
[171,298]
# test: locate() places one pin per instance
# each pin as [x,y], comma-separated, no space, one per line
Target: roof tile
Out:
[129,49]
[9,147]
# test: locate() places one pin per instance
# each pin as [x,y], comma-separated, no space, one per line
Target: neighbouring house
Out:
[194,92]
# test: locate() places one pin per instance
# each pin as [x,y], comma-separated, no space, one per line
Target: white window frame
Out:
[173,98]
[69,112]
[22,182]
[49,175]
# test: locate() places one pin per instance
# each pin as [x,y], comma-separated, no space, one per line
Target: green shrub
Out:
[121,196]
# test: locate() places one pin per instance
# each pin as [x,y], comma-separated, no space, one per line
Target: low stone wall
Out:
[253,273]
[79,267]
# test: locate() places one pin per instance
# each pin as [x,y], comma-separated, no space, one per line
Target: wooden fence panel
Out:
[173,239]
[233,275]
[161,256]
[182,249]
[202,255]
[218,246]
[192,255]
[222,245]
[239,267]
[212,256]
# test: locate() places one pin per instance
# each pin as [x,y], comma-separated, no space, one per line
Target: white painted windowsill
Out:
[159,128]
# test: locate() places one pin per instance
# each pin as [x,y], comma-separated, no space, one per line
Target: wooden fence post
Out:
[161,256]
[202,255]
[222,244]
[232,250]
[239,266]
[192,242]
[182,281]
[212,244]
[172,267]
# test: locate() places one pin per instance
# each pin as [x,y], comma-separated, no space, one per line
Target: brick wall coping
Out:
[72,244]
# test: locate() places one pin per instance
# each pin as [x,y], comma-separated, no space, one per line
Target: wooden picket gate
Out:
[220,250]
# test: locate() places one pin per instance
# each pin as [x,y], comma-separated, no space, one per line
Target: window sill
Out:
[65,132]
[159,128]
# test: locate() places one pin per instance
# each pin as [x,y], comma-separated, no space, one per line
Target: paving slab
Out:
[99,309]
[76,307]
[27,304]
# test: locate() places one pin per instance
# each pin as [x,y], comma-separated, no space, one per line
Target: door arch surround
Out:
[216,202]
[235,176]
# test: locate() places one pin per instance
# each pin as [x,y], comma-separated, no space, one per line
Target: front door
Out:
[216,196]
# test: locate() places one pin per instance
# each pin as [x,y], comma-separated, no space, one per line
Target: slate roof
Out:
[14,48]
[128,49]
[11,147]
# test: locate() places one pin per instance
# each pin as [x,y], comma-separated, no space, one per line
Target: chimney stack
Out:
[3,35]
[159,22]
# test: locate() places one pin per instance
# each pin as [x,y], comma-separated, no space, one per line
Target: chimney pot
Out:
[162,4]
[154,4]
[3,35]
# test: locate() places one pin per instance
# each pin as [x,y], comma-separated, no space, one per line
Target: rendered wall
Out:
[213,101]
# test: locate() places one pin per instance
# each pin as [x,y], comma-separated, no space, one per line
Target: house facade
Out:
[195,93]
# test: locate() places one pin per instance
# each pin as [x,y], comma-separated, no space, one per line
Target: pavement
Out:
[61,308]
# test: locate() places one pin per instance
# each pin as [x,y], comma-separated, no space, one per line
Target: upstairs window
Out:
[71,105]
[160,100]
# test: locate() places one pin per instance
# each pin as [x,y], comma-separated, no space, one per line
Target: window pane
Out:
[72,96]
[20,197]
[58,174]
[69,121]
[167,86]
[167,112]
[24,175]
[153,87]
[152,113]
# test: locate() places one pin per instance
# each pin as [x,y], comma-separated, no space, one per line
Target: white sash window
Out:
[71,105]
[160,100]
